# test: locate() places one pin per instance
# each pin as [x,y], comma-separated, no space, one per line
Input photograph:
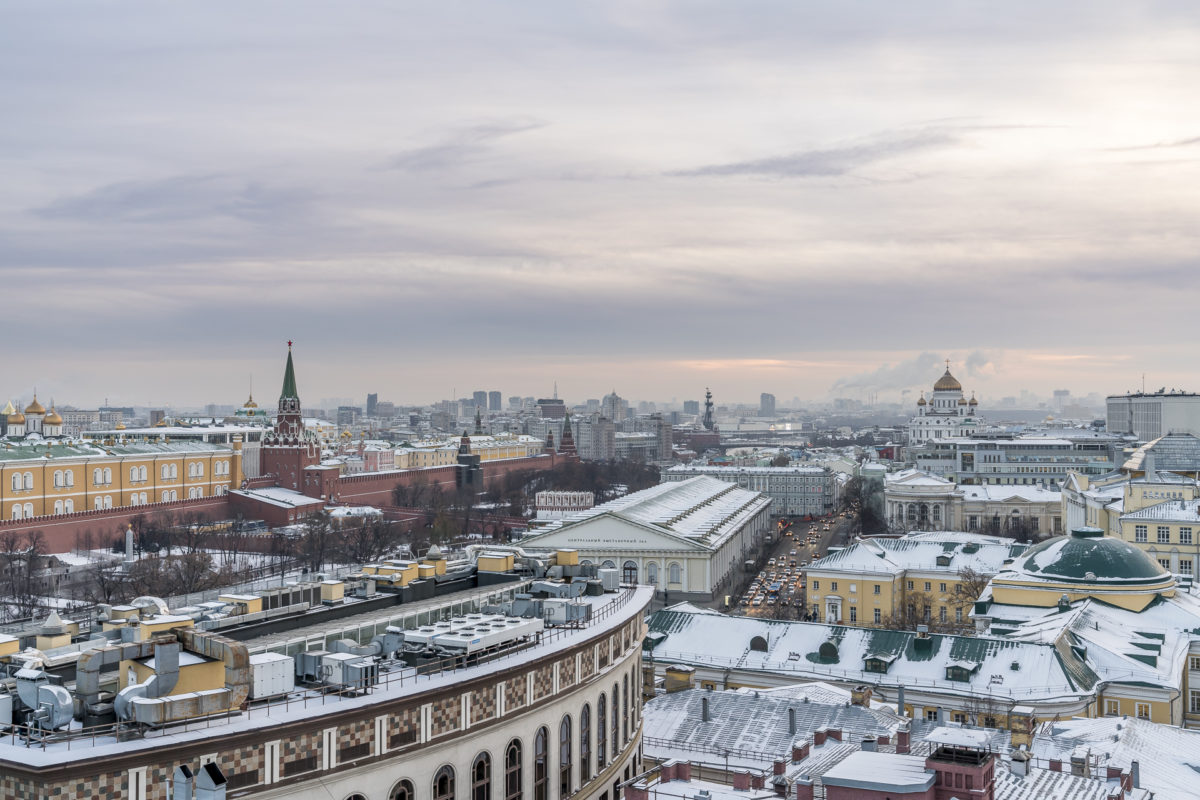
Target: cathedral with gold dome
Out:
[946,414]
[34,422]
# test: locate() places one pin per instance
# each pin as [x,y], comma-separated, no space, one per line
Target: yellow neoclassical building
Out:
[45,477]
[1125,626]
[914,579]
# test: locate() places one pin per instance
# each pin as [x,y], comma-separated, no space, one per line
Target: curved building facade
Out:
[560,718]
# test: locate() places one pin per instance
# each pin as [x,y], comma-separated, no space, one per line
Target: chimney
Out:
[757,781]
[1135,774]
[1019,765]
[881,739]
[779,767]
[804,788]
[637,791]
[1055,765]
[683,770]
[834,733]
[900,701]
[210,783]
[666,771]
[818,737]
[800,750]
[941,716]
[741,783]
[792,721]
[182,783]
[902,741]
[704,709]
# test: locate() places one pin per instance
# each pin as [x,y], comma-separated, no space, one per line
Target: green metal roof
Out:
[1072,558]
[289,379]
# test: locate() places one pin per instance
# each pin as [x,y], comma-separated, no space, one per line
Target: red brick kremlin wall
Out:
[63,532]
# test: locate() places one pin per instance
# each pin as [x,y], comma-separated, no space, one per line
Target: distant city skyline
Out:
[661,197]
[886,384]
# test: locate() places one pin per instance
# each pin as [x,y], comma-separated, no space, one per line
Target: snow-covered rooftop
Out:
[921,552]
[1028,670]
[1169,756]
[278,496]
[703,509]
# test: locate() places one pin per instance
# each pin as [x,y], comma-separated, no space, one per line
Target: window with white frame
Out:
[1140,533]
[28,480]
[1185,566]
[1164,534]
[1185,535]
[675,573]
[28,510]
[1143,710]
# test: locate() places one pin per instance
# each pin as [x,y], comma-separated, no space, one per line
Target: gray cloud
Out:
[463,145]
[978,361]
[916,371]
[833,161]
[1194,140]
[181,197]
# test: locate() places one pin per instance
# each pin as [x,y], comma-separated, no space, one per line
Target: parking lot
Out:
[777,590]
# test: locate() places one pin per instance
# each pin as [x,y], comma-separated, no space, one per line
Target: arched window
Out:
[403,790]
[96,476]
[99,502]
[481,777]
[356,796]
[70,476]
[629,572]
[58,479]
[601,732]
[16,482]
[165,495]
[164,472]
[758,644]
[107,475]
[133,473]
[675,573]
[69,506]
[585,745]
[443,783]
[58,506]
[16,511]
[174,495]
[174,470]
[28,510]
[512,770]
[541,768]
[652,573]
[28,480]
[609,564]
[625,710]
[616,721]
[108,501]
[564,757]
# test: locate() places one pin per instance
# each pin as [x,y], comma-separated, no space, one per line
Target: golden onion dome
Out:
[973,402]
[947,383]
[921,400]
[53,418]
[16,419]
[8,409]
[120,426]
[962,401]
[162,423]
[35,407]
[250,403]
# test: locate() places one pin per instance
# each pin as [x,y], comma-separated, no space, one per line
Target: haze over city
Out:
[815,200]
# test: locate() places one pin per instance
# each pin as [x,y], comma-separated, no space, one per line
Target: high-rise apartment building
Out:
[481,399]
[493,401]
[691,407]
[372,405]
[766,405]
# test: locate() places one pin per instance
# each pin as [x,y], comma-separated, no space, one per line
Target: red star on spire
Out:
[289,344]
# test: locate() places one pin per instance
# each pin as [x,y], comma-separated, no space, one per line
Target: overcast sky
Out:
[811,199]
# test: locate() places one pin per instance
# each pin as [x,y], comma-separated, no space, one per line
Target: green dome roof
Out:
[1088,556]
